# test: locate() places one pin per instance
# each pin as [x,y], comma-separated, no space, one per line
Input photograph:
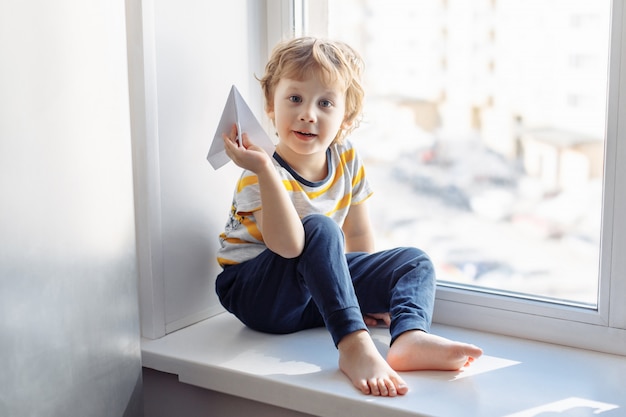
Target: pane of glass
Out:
[483,135]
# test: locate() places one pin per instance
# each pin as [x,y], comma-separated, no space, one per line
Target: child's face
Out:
[307,114]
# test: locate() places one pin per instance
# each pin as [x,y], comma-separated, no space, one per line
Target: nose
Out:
[308,114]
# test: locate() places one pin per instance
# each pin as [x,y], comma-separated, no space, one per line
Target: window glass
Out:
[483,136]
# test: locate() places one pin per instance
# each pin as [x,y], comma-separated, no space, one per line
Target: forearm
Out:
[358,230]
[277,220]
[360,243]
[280,224]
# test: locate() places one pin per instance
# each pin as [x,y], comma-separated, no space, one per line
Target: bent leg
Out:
[280,295]
[325,274]
[277,295]
[265,294]
[400,281]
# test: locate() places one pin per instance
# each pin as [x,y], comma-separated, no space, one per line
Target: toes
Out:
[383,388]
[391,389]
[364,387]
[374,389]
[400,386]
[387,387]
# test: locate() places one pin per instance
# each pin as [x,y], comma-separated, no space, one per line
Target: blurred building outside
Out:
[484,128]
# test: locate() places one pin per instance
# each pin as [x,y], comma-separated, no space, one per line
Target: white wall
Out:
[193,51]
[69,325]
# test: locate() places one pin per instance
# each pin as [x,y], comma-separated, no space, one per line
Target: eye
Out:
[326,103]
[295,99]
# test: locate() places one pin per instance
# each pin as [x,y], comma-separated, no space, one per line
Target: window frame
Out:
[601,329]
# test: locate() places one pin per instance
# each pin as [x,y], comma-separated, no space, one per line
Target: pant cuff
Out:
[408,323]
[343,322]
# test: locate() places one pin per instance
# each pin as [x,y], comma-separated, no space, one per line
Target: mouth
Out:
[304,135]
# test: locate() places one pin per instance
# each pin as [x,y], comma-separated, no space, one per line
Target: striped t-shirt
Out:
[344,186]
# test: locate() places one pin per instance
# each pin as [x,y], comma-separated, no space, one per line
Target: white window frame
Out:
[602,329]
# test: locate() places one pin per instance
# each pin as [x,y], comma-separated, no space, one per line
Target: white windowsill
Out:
[514,378]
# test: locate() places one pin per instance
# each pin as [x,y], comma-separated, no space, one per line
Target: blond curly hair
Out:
[333,61]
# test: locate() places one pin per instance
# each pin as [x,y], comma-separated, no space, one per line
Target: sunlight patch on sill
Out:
[484,364]
[581,406]
[254,362]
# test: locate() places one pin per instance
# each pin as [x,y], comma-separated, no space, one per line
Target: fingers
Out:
[236,140]
[371,319]
[245,140]
[231,136]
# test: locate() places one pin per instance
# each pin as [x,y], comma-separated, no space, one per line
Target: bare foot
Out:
[416,350]
[369,372]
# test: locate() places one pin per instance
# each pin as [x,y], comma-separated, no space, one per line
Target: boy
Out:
[298,249]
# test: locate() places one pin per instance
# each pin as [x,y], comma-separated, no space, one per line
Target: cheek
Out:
[341,122]
[282,115]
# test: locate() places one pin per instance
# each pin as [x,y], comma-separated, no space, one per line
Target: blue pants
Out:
[325,286]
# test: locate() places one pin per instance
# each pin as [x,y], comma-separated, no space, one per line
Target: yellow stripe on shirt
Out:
[246,181]
[292,185]
[341,204]
[347,156]
[252,228]
[358,177]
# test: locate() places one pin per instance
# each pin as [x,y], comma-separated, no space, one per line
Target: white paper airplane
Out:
[237,112]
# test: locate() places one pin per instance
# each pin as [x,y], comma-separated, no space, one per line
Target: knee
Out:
[318,227]
[318,219]
[418,254]
[418,259]
[316,223]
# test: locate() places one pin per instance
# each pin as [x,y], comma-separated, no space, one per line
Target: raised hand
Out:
[245,153]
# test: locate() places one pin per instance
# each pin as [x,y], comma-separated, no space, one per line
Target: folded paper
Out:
[237,112]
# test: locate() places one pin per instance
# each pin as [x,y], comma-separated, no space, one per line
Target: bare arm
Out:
[360,238]
[278,220]
[359,234]
[357,229]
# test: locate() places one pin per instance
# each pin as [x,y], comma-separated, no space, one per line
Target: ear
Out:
[347,124]
[270,113]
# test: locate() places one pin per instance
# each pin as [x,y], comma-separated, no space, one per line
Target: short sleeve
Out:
[361,188]
[247,197]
